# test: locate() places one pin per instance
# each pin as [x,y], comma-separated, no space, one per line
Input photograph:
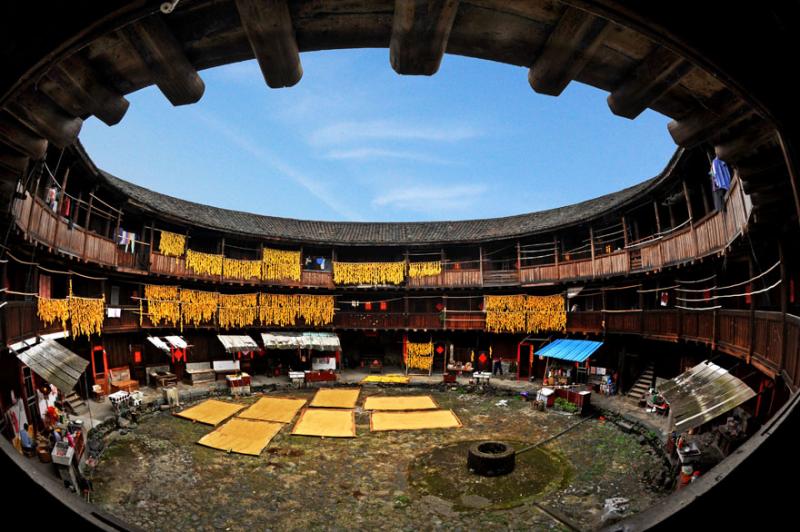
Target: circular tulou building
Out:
[648,340]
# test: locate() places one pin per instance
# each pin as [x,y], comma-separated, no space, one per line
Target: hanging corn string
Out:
[163,304]
[316,310]
[505,313]
[522,313]
[241,269]
[171,244]
[86,315]
[419,356]
[277,264]
[546,313]
[198,306]
[50,310]
[424,269]
[278,309]
[238,310]
[369,273]
[204,263]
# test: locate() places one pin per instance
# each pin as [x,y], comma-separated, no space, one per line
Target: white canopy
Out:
[237,342]
[168,341]
[320,341]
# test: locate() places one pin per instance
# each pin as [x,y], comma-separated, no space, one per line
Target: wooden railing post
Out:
[591,245]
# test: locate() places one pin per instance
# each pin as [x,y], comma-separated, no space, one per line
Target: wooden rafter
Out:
[568,49]
[38,112]
[268,26]
[648,81]
[420,30]
[164,57]
[707,122]
[19,137]
[77,88]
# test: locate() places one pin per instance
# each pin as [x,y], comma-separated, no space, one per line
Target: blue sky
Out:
[355,141]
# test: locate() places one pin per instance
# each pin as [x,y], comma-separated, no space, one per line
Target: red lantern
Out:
[384,305]
[748,298]
[439,307]
[368,306]
[439,349]
[137,357]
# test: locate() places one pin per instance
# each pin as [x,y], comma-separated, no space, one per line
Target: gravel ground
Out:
[156,476]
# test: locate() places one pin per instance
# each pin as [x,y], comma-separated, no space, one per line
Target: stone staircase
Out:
[74,404]
[642,384]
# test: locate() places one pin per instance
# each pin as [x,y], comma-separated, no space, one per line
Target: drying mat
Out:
[278,409]
[336,398]
[211,412]
[427,419]
[401,402]
[327,422]
[387,379]
[242,436]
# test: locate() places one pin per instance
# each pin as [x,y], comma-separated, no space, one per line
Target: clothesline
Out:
[759,276]
[745,294]
[59,272]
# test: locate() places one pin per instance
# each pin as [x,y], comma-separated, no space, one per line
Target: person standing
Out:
[720,182]
[497,361]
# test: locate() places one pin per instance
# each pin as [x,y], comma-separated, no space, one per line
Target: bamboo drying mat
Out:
[211,412]
[426,419]
[401,402]
[242,436]
[326,422]
[336,398]
[278,409]
[387,379]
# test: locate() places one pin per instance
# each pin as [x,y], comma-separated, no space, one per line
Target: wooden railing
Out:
[689,242]
[770,341]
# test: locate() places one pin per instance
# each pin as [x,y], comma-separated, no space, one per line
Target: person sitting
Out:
[26,442]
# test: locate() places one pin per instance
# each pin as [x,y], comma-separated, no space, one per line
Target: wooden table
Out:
[165,379]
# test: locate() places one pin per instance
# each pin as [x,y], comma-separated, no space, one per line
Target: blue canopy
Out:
[570,350]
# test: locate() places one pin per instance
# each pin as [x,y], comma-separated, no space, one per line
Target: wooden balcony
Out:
[692,241]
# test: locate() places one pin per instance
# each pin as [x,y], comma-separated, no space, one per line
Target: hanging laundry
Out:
[720,182]
[50,198]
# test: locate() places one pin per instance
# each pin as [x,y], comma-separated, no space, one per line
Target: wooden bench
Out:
[199,372]
[120,379]
[225,367]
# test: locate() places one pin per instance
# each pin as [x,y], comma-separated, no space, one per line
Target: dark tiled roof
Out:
[379,233]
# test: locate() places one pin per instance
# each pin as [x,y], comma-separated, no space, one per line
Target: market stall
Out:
[320,350]
[565,357]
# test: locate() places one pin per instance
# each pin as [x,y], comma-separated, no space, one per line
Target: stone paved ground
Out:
[157,477]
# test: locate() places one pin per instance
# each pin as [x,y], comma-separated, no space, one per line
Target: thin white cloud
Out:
[431,198]
[348,132]
[313,186]
[361,154]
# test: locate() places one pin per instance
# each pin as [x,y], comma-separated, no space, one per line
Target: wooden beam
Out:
[568,49]
[78,89]
[741,146]
[420,30]
[707,122]
[38,112]
[164,57]
[19,137]
[658,217]
[788,151]
[12,160]
[268,26]
[659,72]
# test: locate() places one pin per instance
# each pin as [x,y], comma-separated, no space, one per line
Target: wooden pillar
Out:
[519,264]
[74,217]
[89,211]
[152,243]
[480,262]
[658,217]
[751,270]
[706,203]
[691,216]
[591,245]
[624,232]
[556,253]
[784,301]
[672,221]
